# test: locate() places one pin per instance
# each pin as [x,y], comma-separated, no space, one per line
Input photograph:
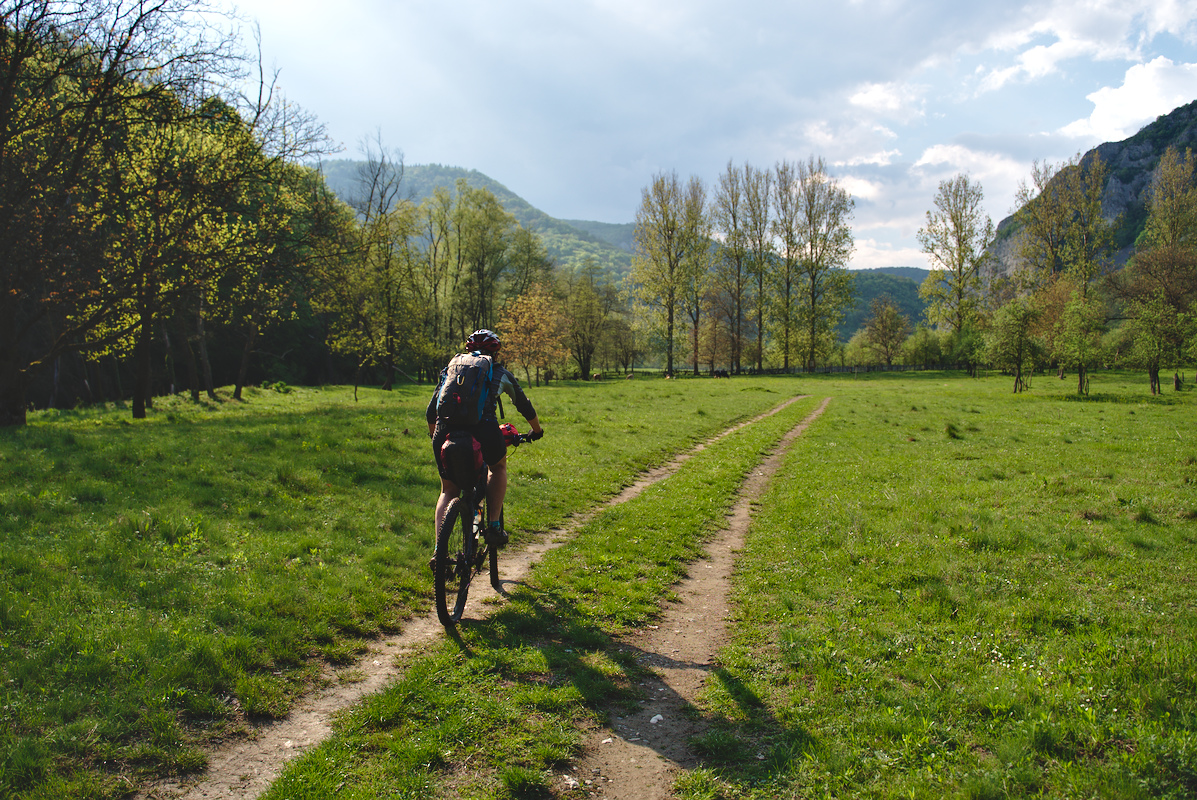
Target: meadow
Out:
[162,581]
[950,590]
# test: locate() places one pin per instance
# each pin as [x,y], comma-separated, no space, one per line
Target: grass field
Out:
[952,591]
[160,580]
[949,591]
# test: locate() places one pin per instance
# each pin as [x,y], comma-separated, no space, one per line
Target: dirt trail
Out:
[245,767]
[639,758]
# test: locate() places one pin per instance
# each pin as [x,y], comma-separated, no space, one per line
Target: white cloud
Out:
[1147,91]
[899,101]
[872,254]
[879,159]
[858,187]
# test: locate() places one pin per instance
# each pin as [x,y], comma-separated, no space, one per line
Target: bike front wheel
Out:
[453,563]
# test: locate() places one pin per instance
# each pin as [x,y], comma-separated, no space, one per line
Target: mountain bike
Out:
[461,549]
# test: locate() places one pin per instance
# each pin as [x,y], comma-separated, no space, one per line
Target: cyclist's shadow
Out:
[622,683]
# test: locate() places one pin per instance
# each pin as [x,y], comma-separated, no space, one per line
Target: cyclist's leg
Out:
[494,452]
[449,489]
[496,490]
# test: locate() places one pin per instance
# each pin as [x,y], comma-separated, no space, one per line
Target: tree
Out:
[589,306]
[787,232]
[1172,204]
[1043,220]
[1089,236]
[733,259]
[696,266]
[886,329]
[957,236]
[669,238]
[533,331]
[1011,343]
[1157,335]
[1063,230]
[825,244]
[1076,340]
[72,76]
[758,193]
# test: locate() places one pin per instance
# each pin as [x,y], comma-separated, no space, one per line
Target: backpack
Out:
[465,390]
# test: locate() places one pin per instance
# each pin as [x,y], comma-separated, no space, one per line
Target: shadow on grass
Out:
[615,683]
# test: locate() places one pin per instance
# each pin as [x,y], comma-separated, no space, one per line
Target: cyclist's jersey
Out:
[502,382]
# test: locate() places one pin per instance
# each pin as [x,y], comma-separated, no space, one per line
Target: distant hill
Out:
[569,243]
[900,283]
[1131,166]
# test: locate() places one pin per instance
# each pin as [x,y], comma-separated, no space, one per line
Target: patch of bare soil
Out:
[641,755]
[680,649]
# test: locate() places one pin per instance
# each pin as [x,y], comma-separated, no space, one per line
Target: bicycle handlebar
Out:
[521,438]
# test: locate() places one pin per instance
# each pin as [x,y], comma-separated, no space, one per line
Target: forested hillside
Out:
[570,244]
[900,284]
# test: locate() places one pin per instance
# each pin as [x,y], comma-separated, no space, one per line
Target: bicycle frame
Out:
[456,562]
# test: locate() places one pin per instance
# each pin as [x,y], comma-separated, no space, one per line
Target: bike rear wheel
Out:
[452,562]
[494,561]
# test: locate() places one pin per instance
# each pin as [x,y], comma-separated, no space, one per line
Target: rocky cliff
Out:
[1131,165]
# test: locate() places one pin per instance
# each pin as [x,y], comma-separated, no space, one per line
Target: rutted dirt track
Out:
[636,761]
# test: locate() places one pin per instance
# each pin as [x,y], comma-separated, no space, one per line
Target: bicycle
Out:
[458,556]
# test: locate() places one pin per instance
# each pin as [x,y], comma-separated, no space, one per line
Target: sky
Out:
[575,105]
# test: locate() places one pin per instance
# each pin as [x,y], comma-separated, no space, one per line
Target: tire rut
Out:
[640,756]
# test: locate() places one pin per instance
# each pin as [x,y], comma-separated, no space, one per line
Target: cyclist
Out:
[494,446]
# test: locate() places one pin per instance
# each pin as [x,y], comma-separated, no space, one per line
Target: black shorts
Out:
[494,446]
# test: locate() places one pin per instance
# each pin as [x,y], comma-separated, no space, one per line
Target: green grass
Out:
[1003,604]
[161,581]
[949,590]
[496,711]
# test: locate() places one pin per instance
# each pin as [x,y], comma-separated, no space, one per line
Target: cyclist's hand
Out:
[534,435]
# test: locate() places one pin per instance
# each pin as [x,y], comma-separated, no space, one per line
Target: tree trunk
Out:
[193,378]
[202,342]
[141,357]
[250,336]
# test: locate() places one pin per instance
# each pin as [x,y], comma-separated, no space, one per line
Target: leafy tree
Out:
[733,258]
[922,347]
[670,240]
[589,307]
[1089,237]
[1043,219]
[1157,333]
[1063,230]
[1172,204]
[758,193]
[72,77]
[534,331]
[886,329]
[1011,343]
[825,245]
[787,230]
[1077,339]
[957,236]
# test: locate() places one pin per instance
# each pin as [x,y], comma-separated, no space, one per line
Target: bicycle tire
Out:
[494,561]
[453,568]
